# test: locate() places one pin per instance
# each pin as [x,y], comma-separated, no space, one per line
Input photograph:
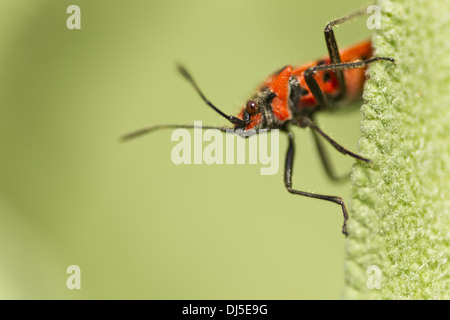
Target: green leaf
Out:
[400,204]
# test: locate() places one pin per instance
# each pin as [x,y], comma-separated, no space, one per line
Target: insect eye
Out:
[251,107]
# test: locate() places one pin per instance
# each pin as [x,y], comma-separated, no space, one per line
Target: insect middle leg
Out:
[288,183]
[327,165]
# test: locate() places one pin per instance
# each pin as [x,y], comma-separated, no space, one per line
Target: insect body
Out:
[293,95]
[286,95]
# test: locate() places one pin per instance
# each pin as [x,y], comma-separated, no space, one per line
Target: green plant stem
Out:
[400,204]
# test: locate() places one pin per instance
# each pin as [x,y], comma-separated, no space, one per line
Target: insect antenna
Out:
[142,131]
[236,121]
[188,77]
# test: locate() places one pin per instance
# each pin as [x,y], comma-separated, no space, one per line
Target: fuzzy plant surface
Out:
[398,244]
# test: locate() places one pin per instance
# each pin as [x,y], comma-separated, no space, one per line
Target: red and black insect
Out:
[293,95]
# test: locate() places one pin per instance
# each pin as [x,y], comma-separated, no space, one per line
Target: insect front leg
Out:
[288,183]
[333,49]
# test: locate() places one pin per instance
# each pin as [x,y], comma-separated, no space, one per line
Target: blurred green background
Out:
[139,226]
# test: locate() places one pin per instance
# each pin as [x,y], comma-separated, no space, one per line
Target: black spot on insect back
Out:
[326,76]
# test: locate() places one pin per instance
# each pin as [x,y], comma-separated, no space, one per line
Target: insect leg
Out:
[305,122]
[333,49]
[288,183]
[329,170]
[314,86]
